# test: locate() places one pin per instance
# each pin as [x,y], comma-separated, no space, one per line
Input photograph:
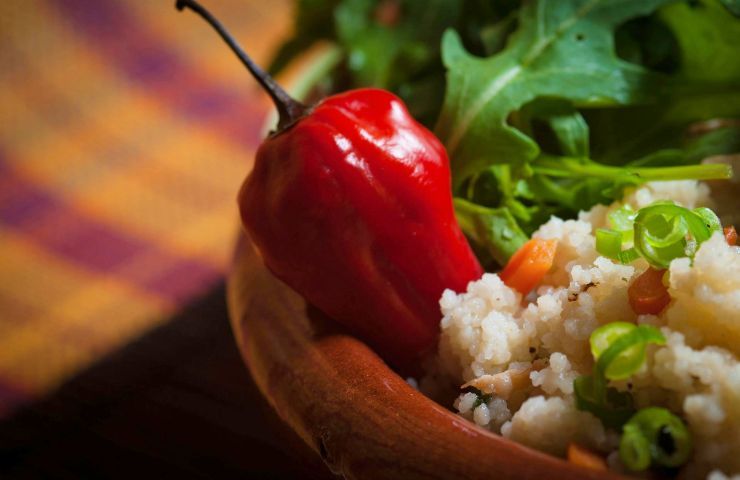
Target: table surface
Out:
[125,130]
[176,403]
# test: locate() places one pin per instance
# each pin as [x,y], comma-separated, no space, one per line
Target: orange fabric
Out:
[125,131]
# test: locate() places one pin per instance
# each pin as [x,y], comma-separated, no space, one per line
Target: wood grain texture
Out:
[365,421]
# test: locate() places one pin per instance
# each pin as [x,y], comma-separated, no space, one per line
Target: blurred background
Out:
[126,129]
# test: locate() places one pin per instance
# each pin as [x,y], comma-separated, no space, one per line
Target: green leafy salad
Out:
[545,107]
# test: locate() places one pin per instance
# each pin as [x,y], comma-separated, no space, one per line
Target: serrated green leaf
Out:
[562,49]
[705,86]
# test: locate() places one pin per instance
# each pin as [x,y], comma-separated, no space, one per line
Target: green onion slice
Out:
[655,435]
[609,405]
[619,351]
[660,232]
[602,338]
[622,220]
[628,256]
[626,351]
[634,448]
[711,220]
[608,242]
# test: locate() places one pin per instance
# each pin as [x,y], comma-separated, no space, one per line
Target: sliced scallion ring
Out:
[657,435]
[673,231]
[602,338]
[608,242]
[626,353]
[660,232]
[622,220]
[634,449]
[711,220]
[664,231]
[608,404]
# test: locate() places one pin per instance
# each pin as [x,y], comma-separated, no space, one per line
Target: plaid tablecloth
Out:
[125,131]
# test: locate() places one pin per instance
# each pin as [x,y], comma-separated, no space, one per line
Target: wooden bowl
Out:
[363,419]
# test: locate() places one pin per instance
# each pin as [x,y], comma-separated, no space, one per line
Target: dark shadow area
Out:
[177,402]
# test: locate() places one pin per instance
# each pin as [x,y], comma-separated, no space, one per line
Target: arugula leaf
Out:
[708,38]
[706,85]
[549,106]
[527,107]
[494,228]
[562,49]
[569,128]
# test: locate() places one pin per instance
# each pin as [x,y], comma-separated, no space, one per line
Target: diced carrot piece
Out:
[529,264]
[730,235]
[583,457]
[648,294]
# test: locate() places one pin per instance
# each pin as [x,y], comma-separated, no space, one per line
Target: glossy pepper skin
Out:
[351,206]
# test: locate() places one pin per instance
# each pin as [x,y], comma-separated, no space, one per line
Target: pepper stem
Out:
[289,109]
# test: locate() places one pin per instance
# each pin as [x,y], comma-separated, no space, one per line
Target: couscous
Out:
[518,357]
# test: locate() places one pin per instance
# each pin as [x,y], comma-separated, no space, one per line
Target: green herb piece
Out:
[711,220]
[562,186]
[661,232]
[491,227]
[664,231]
[603,337]
[619,351]
[699,25]
[569,128]
[704,85]
[557,51]
[622,220]
[607,404]
[583,167]
[654,435]
[634,449]
[608,242]
[481,399]
[625,352]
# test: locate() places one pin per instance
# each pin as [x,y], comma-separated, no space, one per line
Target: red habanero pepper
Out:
[350,204]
